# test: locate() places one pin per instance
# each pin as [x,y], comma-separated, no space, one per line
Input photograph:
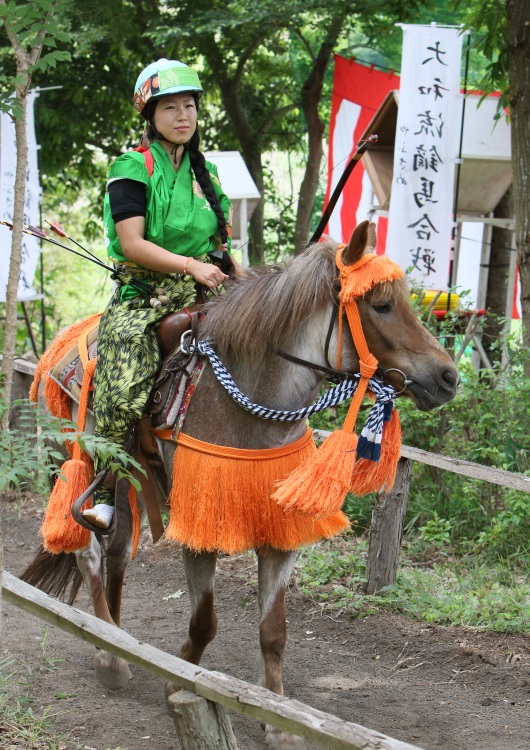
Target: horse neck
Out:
[273,382]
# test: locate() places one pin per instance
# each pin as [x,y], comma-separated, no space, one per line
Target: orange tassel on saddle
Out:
[59,530]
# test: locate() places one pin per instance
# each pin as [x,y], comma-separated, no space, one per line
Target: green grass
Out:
[467,592]
[21,726]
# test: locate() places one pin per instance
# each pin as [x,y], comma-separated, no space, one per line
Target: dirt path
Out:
[435,687]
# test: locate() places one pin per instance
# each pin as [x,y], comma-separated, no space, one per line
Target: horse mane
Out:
[268,305]
[264,308]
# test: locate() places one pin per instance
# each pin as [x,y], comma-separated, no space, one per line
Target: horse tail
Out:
[54,574]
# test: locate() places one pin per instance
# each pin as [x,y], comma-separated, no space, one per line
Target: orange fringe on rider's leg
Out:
[58,401]
[223,502]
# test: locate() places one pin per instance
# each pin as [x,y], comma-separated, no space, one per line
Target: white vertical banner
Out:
[426,147]
[8,161]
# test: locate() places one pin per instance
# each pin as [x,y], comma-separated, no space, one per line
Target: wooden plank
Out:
[469,469]
[25,366]
[458,466]
[320,727]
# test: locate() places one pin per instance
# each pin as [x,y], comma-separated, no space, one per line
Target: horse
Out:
[276,331]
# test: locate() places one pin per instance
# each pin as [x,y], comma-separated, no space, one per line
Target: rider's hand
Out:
[206,273]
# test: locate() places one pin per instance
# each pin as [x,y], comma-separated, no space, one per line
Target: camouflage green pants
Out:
[129,358]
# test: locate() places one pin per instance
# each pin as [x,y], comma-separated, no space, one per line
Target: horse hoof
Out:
[112,671]
[275,739]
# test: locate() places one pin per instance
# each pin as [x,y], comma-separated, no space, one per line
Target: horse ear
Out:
[363,236]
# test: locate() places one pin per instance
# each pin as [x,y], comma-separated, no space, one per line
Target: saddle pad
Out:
[171,399]
[68,372]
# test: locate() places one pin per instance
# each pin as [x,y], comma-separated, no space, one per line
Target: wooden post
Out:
[200,723]
[386,531]
[23,372]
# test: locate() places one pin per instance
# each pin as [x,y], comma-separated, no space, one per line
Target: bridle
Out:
[337,374]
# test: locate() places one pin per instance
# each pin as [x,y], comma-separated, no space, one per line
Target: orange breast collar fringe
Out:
[231,499]
[221,498]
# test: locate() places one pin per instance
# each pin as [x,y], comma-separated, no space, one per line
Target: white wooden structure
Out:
[485,175]
[242,191]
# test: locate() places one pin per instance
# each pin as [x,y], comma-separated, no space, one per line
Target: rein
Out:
[336,374]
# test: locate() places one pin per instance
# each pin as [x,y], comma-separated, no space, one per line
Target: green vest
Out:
[179,217]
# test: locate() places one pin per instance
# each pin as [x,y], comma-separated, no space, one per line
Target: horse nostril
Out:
[451,378]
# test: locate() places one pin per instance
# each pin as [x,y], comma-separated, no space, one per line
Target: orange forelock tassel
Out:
[373,476]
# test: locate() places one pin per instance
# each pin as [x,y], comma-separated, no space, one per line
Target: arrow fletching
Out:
[57,228]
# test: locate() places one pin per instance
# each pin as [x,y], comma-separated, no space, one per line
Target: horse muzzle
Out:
[429,393]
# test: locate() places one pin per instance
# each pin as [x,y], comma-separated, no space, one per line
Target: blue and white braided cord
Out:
[370,440]
[369,444]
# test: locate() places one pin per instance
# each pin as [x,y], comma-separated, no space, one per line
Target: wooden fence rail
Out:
[261,704]
[458,466]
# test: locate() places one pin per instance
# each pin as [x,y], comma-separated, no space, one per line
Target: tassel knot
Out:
[368,368]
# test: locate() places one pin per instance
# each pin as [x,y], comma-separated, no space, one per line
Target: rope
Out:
[370,438]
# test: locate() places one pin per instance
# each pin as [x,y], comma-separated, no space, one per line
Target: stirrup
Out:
[78,504]
[99,513]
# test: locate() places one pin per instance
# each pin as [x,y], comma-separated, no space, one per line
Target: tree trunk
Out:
[16,252]
[497,287]
[386,531]
[250,143]
[311,94]
[518,12]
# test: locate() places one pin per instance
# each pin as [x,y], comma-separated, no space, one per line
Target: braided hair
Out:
[197,161]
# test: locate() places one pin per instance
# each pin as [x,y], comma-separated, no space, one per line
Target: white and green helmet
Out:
[165,77]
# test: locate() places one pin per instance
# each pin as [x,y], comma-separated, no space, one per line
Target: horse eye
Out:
[383,307]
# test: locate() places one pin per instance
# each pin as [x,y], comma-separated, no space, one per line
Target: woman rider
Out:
[160,228]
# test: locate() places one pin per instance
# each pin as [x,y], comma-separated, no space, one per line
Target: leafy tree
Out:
[29,27]
[248,53]
[503,32]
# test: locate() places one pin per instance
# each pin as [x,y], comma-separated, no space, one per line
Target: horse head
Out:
[409,357]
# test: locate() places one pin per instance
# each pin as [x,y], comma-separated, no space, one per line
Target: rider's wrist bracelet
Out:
[186,264]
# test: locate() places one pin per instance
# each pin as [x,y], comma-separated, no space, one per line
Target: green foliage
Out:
[479,596]
[32,26]
[487,423]
[332,575]
[470,592]
[488,21]
[33,454]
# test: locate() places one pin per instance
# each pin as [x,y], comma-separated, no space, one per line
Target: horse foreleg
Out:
[112,671]
[274,570]
[200,577]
